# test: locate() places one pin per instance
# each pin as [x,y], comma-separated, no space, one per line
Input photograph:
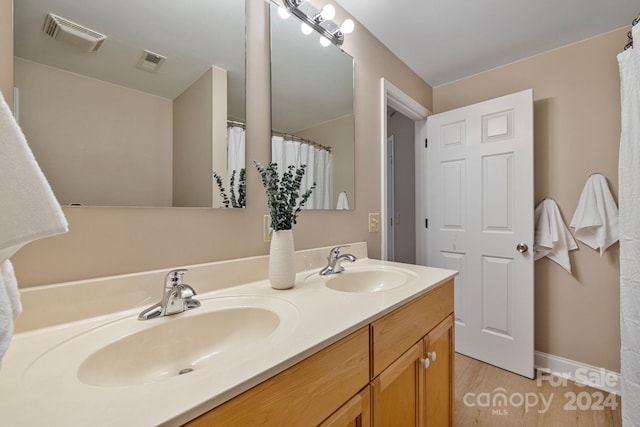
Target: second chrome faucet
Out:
[334,261]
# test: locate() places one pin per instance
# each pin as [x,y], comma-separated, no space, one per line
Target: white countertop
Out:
[39,385]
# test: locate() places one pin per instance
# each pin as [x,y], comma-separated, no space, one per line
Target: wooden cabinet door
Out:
[439,376]
[355,413]
[397,394]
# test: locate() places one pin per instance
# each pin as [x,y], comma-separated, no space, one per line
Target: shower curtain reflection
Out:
[235,153]
[285,151]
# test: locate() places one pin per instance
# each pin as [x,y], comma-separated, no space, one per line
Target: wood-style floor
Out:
[489,396]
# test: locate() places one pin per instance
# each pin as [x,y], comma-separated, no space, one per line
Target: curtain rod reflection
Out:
[233,123]
[300,139]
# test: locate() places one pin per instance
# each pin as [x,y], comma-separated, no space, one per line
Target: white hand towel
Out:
[29,210]
[343,201]
[595,221]
[10,306]
[553,238]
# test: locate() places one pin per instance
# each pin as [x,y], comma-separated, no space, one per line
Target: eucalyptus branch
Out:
[242,188]
[223,193]
[232,200]
[283,193]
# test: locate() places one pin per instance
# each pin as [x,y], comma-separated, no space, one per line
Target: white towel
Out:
[595,221]
[10,306]
[553,238]
[29,210]
[343,202]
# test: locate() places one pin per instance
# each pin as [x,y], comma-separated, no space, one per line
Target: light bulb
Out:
[324,41]
[306,29]
[347,26]
[284,13]
[328,12]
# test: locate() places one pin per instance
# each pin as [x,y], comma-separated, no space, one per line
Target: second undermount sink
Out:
[127,352]
[365,280]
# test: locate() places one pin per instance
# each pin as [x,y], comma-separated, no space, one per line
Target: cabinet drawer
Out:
[394,333]
[304,394]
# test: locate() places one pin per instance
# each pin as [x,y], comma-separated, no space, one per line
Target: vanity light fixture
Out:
[319,20]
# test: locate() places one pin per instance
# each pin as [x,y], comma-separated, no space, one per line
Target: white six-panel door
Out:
[479,204]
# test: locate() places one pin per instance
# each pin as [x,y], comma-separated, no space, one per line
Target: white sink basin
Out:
[180,345]
[366,279]
[128,352]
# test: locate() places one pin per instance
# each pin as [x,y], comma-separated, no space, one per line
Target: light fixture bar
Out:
[308,14]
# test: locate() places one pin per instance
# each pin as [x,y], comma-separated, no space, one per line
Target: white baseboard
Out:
[578,372]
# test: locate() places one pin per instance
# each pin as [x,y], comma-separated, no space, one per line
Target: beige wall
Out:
[199,121]
[577,131]
[107,241]
[6,50]
[117,152]
[337,134]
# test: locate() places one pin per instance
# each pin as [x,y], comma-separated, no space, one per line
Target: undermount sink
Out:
[127,352]
[176,347]
[366,280]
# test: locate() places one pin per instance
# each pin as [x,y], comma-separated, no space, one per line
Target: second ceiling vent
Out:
[150,61]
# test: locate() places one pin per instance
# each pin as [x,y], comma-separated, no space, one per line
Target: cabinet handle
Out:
[425,362]
[432,355]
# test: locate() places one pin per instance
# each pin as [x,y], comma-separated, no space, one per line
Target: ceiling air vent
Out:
[62,29]
[150,61]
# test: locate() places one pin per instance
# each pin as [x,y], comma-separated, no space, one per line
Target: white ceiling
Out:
[446,40]
[193,34]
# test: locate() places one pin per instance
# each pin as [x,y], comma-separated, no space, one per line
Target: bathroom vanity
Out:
[370,346]
[396,371]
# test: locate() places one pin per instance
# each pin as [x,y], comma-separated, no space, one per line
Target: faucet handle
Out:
[335,251]
[174,277]
[185,291]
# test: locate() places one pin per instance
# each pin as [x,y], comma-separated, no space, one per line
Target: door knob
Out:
[522,247]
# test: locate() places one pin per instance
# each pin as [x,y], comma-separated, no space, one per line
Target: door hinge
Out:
[426,223]
[426,142]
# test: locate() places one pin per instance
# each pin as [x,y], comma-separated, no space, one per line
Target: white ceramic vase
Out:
[282,266]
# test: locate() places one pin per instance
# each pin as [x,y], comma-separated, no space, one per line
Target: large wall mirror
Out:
[312,111]
[146,117]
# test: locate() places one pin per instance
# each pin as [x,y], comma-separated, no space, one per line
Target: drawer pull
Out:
[425,362]
[432,355]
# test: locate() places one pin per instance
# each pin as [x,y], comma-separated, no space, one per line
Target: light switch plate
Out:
[374,222]
[266,228]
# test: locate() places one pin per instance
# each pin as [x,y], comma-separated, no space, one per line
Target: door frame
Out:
[390,197]
[392,96]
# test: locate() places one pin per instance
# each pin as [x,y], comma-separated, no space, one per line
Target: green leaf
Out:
[283,193]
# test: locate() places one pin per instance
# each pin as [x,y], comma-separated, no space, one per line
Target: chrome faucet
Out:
[335,259]
[178,297]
